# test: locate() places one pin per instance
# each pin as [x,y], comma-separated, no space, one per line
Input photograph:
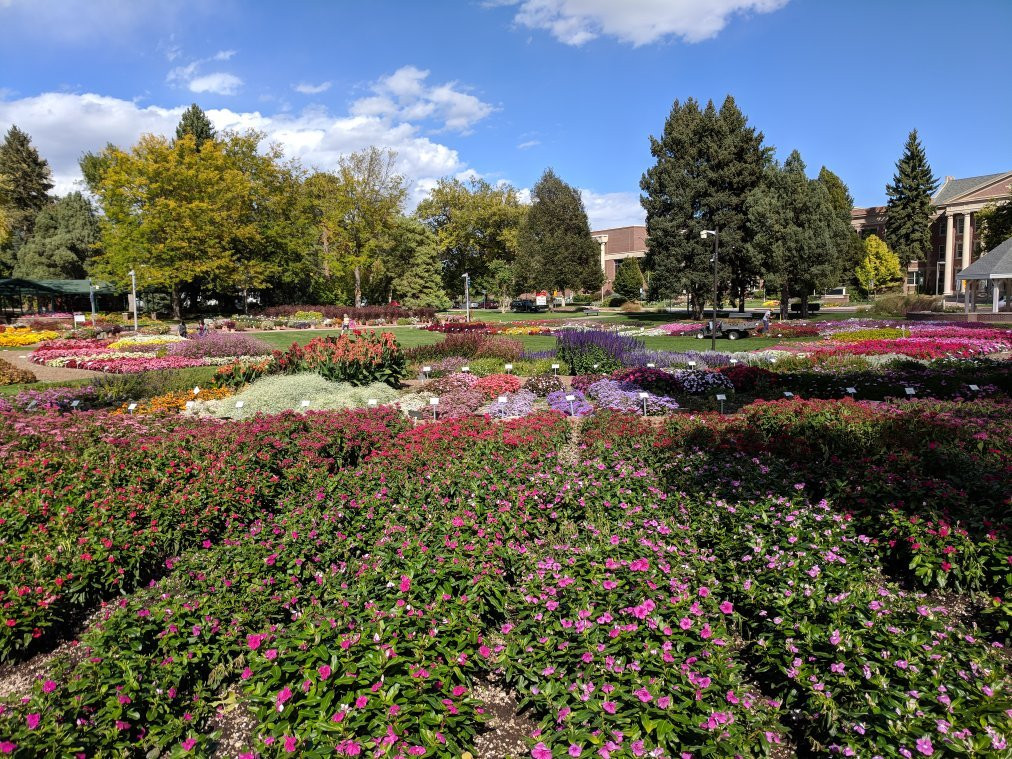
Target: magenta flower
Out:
[323,671]
[405,585]
[609,706]
[361,701]
[924,746]
[643,695]
[574,750]
[283,695]
[49,686]
[541,751]
[290,743]
[33,720]
[727,607]
[188,744]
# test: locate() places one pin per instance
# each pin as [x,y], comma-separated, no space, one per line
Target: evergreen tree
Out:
[628,279]
[908,213]
[879,269]
[421,285]
[848,244]
[555,250]
[65,237]
[796,225]
[25,181]
[194,121]
[707,164]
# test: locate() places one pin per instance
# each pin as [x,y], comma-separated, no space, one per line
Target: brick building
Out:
[954,244]
[618,244]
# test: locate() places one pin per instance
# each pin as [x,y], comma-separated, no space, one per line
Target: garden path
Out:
[46,373]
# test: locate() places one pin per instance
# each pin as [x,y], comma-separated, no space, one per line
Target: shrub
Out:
[155,329]
[631,307]
[13,375]
[655,381]
[521,367]
[520,403]
[451,383]
[617,300]
[594,350]
[543,384]
[465,345]
[621,396]
[751,378]
[275,394]
[308,316]
[360,315]
[504,348]
[899,305]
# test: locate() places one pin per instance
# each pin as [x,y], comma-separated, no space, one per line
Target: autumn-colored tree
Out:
[879,269]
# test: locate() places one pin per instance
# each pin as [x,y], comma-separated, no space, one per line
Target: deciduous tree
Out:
[879,269]
[475,224]
[500,282]
[994,224]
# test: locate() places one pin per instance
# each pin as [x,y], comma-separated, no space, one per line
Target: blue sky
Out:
[504,88]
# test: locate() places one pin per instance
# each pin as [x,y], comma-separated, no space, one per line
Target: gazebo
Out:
[68,294]
[994,266]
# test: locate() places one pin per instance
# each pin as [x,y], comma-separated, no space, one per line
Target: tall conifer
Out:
[194,121]
[908,213]
[25,181]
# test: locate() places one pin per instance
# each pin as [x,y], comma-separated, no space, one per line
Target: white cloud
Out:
[63,126]
[612,209]
[311,89]
[218,83]
[404,95]
[639,22]
[529,144]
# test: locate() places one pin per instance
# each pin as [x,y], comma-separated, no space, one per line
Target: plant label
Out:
[32,405]
[974,388]
[651,366]
[304,404]
[721,397]
[75,404]
[131,407]
[851,390]
[555,366]
[465,368]
[426,369]
[502,399]
[508,368]
[788,394]
[433,401]
[240,404]
[596,366]
[372,401]
[196,390]
[570,398]
[644,396]
[909,390]
[734,361]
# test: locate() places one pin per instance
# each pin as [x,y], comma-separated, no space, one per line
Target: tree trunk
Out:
[358,287]
[804,305]
[785,301]
[177,302]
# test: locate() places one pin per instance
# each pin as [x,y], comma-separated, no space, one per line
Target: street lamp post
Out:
[133,288]
[467,297]
[91,296]
[716,242]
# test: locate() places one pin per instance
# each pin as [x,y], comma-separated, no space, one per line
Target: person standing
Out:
[345,323]
[201,329]
[766,323]
[181,329]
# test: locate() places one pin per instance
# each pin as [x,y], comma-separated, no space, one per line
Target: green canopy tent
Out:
[54,295]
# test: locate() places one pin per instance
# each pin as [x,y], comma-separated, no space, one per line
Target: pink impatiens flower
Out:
[575,750]
[643,695]
[541,751]
[727,607]
[188,744]
[609,706]
[323,671]
[33,720]
[405,585]
[283,695]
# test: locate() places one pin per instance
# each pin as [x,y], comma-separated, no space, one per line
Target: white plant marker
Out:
[434,402]
[502,399]
[196,390]
[508,368]
[75,404]
[189,405]
[851,391]
[372,402]
[304,404]
[555,368]
[130,408]
[788,394]
[426,370]
[721,397]
[465,368]
[643,397]
[734,361]
[909,391]
[571,398]
[651,366]
[975,388]
[692,364]
[240,404]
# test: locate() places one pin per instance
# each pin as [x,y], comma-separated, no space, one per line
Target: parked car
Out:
[525,306]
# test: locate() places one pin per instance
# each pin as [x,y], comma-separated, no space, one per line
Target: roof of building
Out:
[54,287]
[954,188]
[995,264]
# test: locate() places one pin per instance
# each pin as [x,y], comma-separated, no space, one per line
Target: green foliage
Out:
[272,395]
[500,282]
[195,123]
[419,281]
[899,305]
[25,181]
[879,270]
[475,224]
[628,279]
[994,224]
[707,164]
[65,237]
[797,229]
[555,250]
[909,210]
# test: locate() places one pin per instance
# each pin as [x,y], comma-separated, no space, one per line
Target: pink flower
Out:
[704,592]
[541,751]
[6,747]
[574,750]
[609,706]
[459,690]
[405,585]
[323,671]
[727,607]
[283,695]
[664,702]
[361,701]
[33,720]
[924,746]
[834,637]
[49,686]
[643,695]
[188,744]
[417,751]
[254,641]
[290,743]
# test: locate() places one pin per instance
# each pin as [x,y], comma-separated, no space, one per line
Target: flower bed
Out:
[16,337]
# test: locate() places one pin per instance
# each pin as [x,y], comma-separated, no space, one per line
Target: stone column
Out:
[967,249]
[997,295]
[950,256]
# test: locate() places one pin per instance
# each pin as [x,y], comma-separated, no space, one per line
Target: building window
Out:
[959,224]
